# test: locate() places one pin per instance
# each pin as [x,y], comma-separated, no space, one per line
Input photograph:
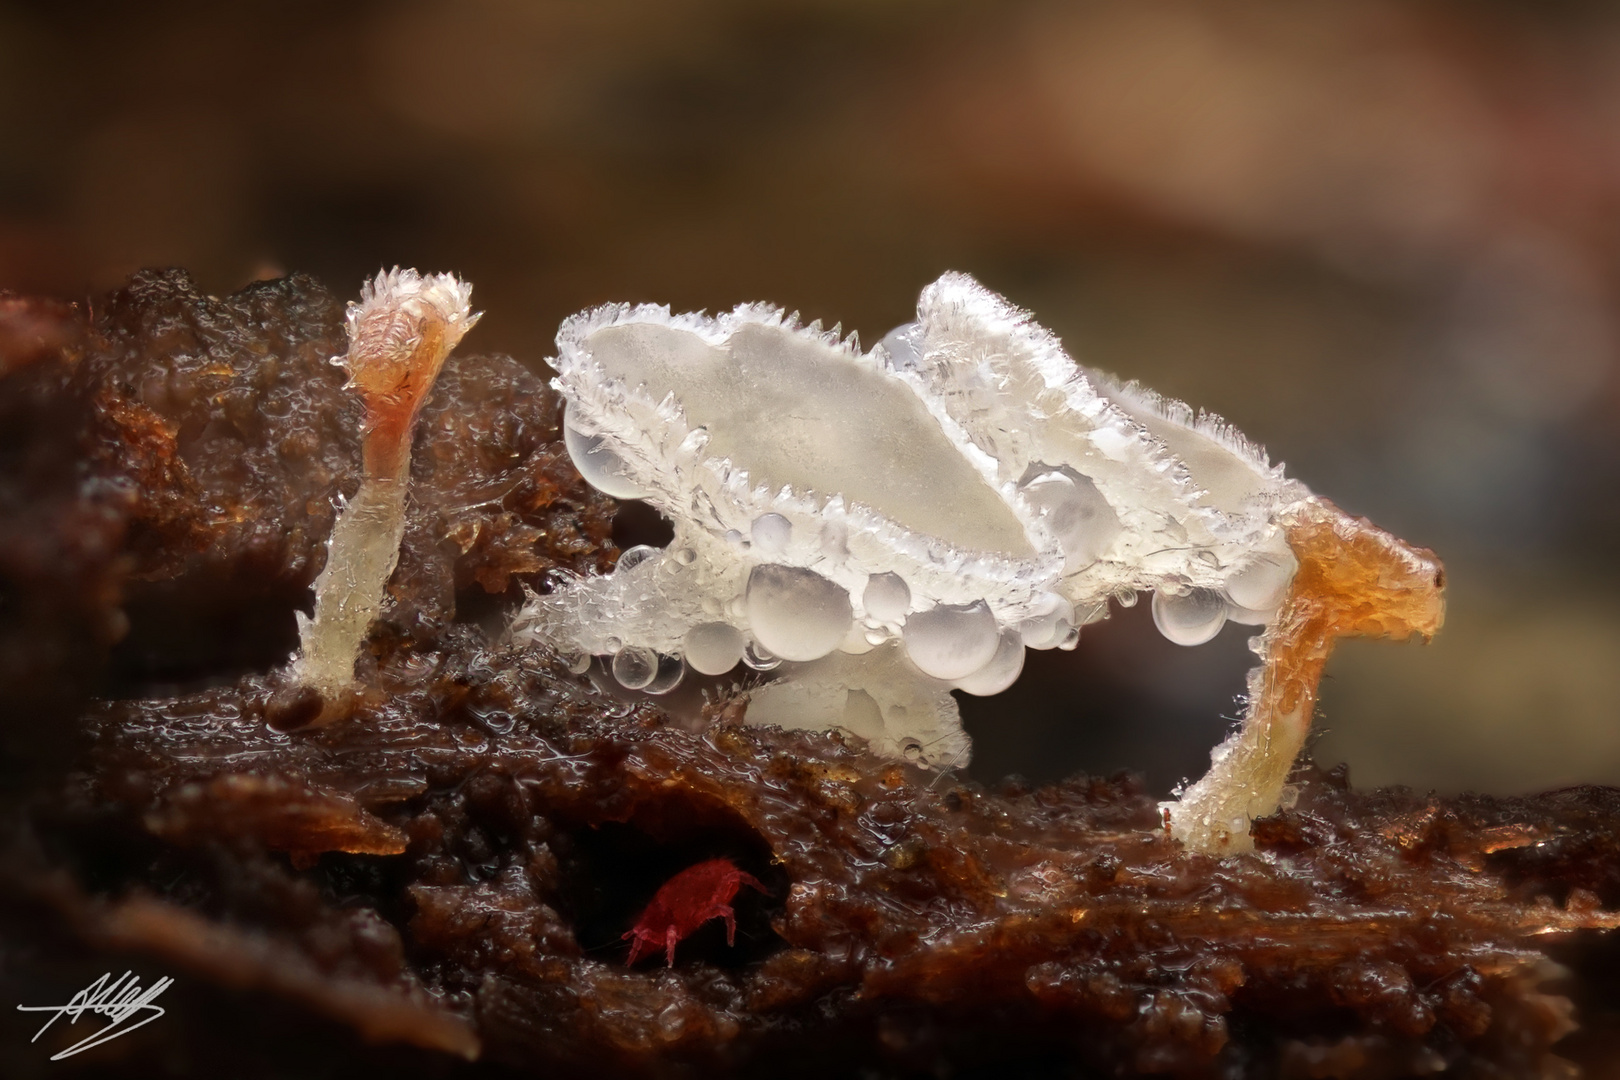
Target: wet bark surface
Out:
[440,883]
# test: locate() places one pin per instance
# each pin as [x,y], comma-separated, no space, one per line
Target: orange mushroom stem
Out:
[1354,580]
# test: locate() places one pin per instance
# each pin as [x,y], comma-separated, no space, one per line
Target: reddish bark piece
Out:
[687,901]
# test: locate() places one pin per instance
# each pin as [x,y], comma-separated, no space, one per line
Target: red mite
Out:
[687,901]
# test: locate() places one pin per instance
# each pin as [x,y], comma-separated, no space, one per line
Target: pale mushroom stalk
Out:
[400,332]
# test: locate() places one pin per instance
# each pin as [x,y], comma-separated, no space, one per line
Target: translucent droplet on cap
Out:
[1260,584]
[760,658]
[1190,618]
[671,670]
[1002,670]
[599,463]
[951,641]
[796,613]
[713,648]
[577,660]
[886,597]
[855,642]
[901,345]
[771,533]
[630,558]
[635,667]
[1045,629]
[1075,511]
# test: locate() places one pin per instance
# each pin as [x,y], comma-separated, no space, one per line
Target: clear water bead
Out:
[1071,506]
[887,596]
[1261,583]
[1002,670]
[633,557]
[599,463]
[856,643]
[1190,618]
[901,345]
[771,533]
[952,641]
[796,613]
[635,667]
[671,670]
[1046,629]
[713,648]
[760,658]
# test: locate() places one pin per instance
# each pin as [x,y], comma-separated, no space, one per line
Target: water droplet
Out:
[1002,670]
[950,641]
[631,558]
[760,658]
[1071,638]
[877,637]
[713,648]
[612,645]
[599,463]
[685,556]
[796,613]
[1125,597]
[1261,584]
[855,642]
[912,749]
[578,661]
[671,670]
[1074,510]
[710,605]
[1190,618]
[635,667]
[1045,629]
[887,596]
[771,533]
[901,345]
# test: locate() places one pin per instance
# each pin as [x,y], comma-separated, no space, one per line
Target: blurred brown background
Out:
[1379,237]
